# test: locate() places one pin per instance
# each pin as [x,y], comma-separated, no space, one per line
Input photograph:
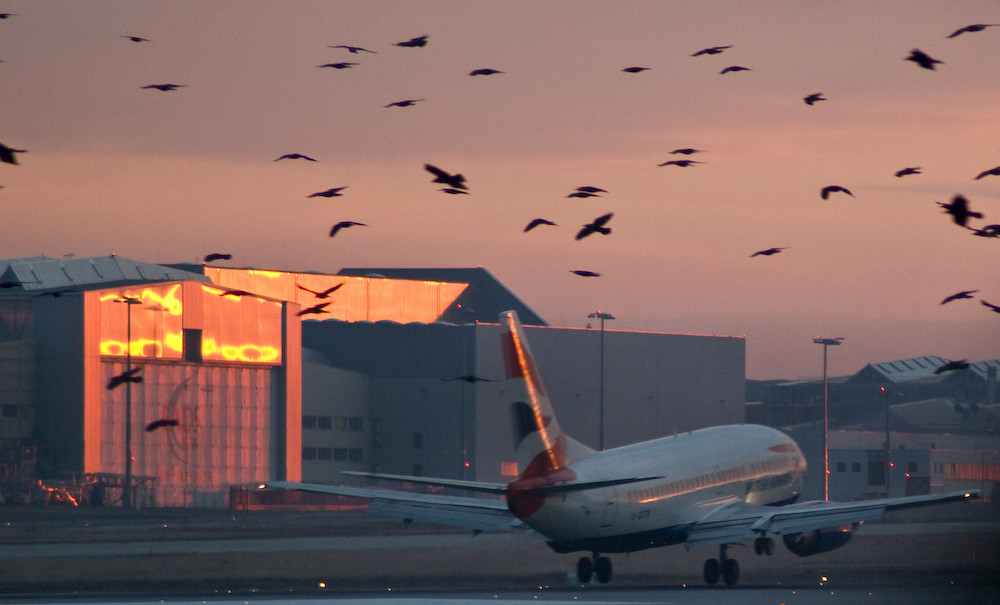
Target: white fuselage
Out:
[694,473]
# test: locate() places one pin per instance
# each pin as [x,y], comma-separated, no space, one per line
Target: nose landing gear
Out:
[587,568]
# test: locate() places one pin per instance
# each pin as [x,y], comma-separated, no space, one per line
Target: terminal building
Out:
[250,376]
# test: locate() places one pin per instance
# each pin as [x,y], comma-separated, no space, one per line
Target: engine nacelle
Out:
[815,541]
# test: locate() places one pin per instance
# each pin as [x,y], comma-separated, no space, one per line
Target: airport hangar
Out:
[386,378]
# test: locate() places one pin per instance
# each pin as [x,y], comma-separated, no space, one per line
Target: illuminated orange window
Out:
[244,329]
[155,322]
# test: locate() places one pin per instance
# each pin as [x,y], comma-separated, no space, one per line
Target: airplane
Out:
[720,486]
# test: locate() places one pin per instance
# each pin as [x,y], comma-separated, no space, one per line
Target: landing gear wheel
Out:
[763,546]
[712,572]
[602,567]
[730,572]
[584,570]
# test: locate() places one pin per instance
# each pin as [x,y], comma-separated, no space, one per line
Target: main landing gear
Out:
[587,568]
[728,569]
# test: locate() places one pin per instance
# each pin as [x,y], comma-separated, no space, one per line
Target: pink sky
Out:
[172,176]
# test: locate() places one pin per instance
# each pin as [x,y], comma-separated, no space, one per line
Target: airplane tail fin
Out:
[541,445]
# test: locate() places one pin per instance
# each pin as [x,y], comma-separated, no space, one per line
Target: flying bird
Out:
[294,156]
[589,189]
[126,376]
[994,308]
[922,59]
[7,154]
[165,87]
[237,293]
[906,171]
[978,27]
[216,256]
[419,41]
[735,68]
[959,296]
[536,222]
[7,15]
[161,423]
[987,231]
[681,163]
[583,194]
[813,98]
[468,378]
[344,225]
[353,49]
[826,191]
[990,172]
[712,50]
[135,38]
[958,208]
[486,71]
[335,192]
[597,226]
[325,293]
[404,103]
[960,364]
[767,252]
[685,151]
[634,70]
[452,191]
[314,310]
[584,273]
[455,181]
[339,65]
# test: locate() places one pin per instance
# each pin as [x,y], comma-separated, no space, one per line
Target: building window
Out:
[355,454]
[841,467]
[508,469]
[308,422]
[876,467]
[355,424]
[911,468]
[10,411]
[324,453]
[323,422]
[340,454]
[855,467]
[308,453]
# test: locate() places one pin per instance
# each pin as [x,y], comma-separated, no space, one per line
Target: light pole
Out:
[826,342]
[127,489]
[602,316]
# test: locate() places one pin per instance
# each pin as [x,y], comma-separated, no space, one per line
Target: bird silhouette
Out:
[165,87]
[314,310]
[958,208]
[455,181]
[344,65]
[237,293]
[681,163]
[978,27]
[813,98]
[959,364]
[216,256]
[959,296]
[404,103]
[906,171]
[135,38]
[536,222]
[987,231]
[826,191]
[584,273]
[294,156]
[161,423]
[685,151]
[922,59]
[994,308]
[735,68]
[126,376]
[7,154]
[767,252]
[353,49]
[453,191]
[485,71]
[635,70]
[417,42]
[468,378]
[990,172]
[596,226]
[7,15]
[335,192]
[583,194]
[344,225]
[589,189]
[712,50]
[325,293]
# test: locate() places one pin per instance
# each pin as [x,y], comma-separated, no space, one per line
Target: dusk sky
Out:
[170,176]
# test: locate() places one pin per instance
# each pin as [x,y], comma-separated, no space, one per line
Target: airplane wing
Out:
[735,522]
[478,514]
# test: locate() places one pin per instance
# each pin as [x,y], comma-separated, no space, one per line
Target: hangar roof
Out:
[40,274]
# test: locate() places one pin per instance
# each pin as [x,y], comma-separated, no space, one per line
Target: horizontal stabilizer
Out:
[475,486]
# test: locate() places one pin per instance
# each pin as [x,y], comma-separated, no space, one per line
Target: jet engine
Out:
[816,541]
